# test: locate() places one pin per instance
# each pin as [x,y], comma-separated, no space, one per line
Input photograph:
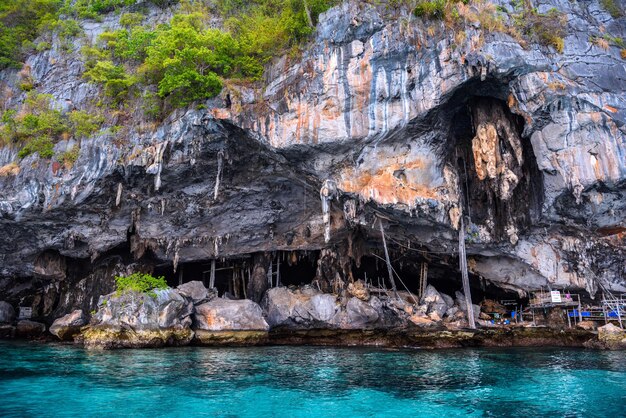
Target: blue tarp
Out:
[574,313]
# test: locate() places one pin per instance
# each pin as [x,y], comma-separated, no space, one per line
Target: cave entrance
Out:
[443,273]
[296,268]
[287,268]
[229,275]
[499,178]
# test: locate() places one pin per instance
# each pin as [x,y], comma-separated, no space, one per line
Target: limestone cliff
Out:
[394,117]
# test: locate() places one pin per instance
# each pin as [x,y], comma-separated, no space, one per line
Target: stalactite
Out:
[158,160]
[118,197]
[220,158]
[176,255]
[327,194]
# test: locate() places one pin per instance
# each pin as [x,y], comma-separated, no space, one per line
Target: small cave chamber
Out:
[500,182]
[414,271]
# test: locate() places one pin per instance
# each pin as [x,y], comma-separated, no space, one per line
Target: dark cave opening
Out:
[296,267]
[230,274]
[443,274]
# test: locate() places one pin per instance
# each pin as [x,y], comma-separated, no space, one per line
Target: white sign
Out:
[556,296]
[25,313]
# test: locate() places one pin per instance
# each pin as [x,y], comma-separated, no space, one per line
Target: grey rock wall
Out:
[381,106]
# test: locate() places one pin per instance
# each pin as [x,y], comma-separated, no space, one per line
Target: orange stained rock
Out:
[382,186]
[219,113]
[485,149]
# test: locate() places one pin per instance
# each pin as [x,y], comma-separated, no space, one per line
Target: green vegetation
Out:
[21,21]
[186,60]
[69,157]
[526,24]
[613,7]
[38,125]
[139,282]
[83,124]
[616,41]
[92,9]
[430,9]
[547,29]
[114,79]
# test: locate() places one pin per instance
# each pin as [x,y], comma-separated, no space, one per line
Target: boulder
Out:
[357,315]
[7,313]
[278,305]
[434,315]
[612,337]
[230,315]
[135,319]
[448,299]
[230,322]
[163,309]
[359,290]
[436,302]
[195,291]
[452,311]
[587,325]
[7,331]
[300,309]
[29,329]
[422,321]
[460,301]
[408,297]
[322,307]
[66,327]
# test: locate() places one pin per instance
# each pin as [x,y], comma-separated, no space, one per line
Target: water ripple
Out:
[65,381]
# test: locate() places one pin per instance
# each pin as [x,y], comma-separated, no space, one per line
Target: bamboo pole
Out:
[465,277]
[212,279]
[278,270]
[388,260]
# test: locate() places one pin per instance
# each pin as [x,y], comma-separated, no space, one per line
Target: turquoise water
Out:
[64,381]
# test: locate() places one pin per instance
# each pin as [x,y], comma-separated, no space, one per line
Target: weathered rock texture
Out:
[66,327]
[397,117]
[140,320]
[307,308]
[7,313]
[233,322]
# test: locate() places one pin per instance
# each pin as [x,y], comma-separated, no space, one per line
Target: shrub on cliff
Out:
[21,21]
[139,282]
[186,59]
[38,125]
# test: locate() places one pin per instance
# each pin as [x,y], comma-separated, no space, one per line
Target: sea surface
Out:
[49,380]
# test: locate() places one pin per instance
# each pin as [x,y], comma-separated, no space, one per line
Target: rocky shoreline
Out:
[193,315]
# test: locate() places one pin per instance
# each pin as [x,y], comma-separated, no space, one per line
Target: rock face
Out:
[436,303]
[140,320]
[232,322]
[612,337]
[229,315]
[7,313]
[66,327]
[195,291]
[401,118]
[308,308]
